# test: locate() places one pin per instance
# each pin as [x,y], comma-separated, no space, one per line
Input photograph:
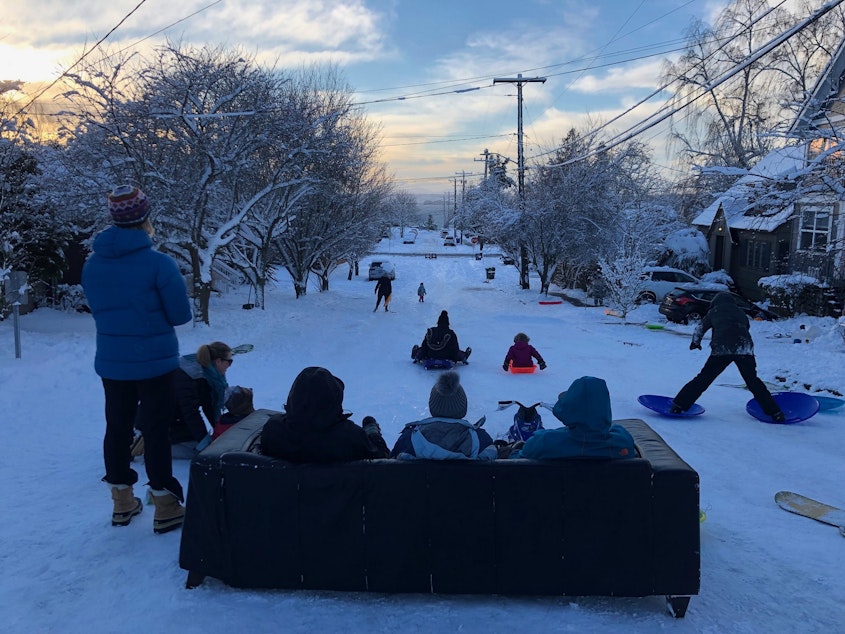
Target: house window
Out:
[757,254]
[815,229]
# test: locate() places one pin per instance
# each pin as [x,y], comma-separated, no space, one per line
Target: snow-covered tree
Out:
[192,127]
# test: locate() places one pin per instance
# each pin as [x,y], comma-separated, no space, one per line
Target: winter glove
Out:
[505,367]
[542,365]
[695,345]
[370,426]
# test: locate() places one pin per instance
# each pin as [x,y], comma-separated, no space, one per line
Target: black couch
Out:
[511,527]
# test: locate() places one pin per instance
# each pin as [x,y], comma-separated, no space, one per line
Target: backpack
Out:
[526,421]
[445,439]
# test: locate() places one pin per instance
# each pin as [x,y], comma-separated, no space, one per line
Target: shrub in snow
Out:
[794,293]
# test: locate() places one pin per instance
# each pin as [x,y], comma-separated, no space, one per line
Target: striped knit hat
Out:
[128,206]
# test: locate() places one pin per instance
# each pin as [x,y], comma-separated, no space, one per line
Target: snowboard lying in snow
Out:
[801,505]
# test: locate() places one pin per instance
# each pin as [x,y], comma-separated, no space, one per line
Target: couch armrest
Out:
[239,437]
[675,500]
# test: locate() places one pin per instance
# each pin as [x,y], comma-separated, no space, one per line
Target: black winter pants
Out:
[715,365]
[152,402]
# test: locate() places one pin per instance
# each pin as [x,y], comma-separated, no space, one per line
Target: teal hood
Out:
[585,406]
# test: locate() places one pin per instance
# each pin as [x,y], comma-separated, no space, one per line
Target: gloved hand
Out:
[370,426]
[693,345]
[542,365]
[505,367]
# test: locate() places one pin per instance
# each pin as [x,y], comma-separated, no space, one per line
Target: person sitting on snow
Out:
[522,353]
[440,342]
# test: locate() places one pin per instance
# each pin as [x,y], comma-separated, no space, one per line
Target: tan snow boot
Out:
[126,505]
[169,513]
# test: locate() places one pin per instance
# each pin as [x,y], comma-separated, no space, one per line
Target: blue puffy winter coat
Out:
[137,296]
[589,431]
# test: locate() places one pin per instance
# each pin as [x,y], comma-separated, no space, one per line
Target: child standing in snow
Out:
[521,354]
[421,292]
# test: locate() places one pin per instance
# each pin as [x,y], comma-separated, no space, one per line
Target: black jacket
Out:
[192,393]
[384,287]
[314,428]
[730,328]
[440,342]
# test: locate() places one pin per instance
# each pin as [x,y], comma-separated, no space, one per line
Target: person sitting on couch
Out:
[446,435]
[314,428]
[588,430]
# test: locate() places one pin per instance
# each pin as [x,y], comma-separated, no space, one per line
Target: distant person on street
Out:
[421,292]
[731,343]
[383,290]
[137,296]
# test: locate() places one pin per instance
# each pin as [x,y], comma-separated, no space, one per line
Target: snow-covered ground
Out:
[65,569]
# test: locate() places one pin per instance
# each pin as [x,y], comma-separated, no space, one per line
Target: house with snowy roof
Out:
[787,215]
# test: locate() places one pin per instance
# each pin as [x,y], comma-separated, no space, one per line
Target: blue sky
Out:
[598,58]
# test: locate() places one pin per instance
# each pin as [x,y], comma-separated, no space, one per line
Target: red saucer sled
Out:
[527,370]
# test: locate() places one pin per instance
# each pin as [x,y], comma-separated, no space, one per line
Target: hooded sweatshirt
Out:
[314,428]
[137,296]
[730,326]
[589,431]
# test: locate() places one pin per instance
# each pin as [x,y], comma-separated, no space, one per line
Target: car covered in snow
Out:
[380,268]
[659,280]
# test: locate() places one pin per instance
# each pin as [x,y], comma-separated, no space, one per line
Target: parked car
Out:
[448,241]
[410,237]
[659,280]
[377,269]
[687,304]
[507,259]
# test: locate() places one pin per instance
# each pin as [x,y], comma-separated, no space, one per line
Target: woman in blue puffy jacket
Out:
[137,296]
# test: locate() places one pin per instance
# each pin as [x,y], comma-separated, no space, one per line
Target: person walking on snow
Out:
[383,290]
[731,343]
[421,292]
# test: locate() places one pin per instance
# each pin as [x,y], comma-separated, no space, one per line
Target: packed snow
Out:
[66,569]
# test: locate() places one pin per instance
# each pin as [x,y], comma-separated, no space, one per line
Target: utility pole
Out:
[486,158]
[519,80]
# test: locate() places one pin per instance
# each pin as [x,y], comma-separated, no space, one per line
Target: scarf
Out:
[218,389]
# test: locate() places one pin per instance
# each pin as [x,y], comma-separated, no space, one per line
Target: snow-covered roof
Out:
[742,195]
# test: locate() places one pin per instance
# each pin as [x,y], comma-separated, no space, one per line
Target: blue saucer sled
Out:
[662,405]
[796,406]
[437,364]
[827,403]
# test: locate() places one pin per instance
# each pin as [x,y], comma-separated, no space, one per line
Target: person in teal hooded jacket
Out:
[588,430]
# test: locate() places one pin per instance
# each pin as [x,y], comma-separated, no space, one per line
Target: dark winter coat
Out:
[521,353]
[440,342]
[137,296]
[730,328]
[450,434]
[193,393]
[384,288]
[589,431]
[314,428]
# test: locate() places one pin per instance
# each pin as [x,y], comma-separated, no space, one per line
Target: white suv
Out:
[659,280]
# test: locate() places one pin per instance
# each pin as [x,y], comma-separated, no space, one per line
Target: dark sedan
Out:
[687,304]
